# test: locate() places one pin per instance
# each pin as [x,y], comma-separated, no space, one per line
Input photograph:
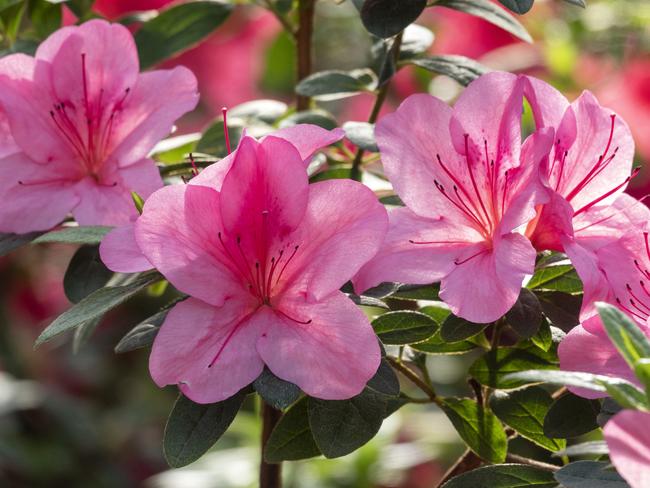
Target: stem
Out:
[303,44]
[270,474]
[355,172]
[413,377]
[467,462]
[532,462]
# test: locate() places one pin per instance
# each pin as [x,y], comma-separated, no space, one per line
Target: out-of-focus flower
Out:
[467,183]
[628,437]
[83,120]
[263,259]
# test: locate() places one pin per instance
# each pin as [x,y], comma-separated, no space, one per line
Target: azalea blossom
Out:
[82,120]
[263,258]
[628,437]
[468,184]
[119,250]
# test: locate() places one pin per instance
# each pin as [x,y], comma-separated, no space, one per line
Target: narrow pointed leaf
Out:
[90,235]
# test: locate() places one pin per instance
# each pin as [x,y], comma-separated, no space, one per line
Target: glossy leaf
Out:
[362,135]
[459,68]
[571,416]
[504,476]
[517,6]
[417,39]
[562,309]
[86,273]
[335,84]
[493,368]
[90,235]
[291,438]
[404,327]
[558,277]
[626,336]
[277,392]
[387,18]
[478,427]
[10,242]
[385,380]
[589,474]
[525,317]
[456,329]
[193,428]
[590,448]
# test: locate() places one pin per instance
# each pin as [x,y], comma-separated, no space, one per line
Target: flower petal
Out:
[309,138]
[405,258]
[103,204]
[486,282]
[141,177]
[332,357]
[343,227]
[178,232]
[628,437]
[193,335]
[120,252]
[547,103]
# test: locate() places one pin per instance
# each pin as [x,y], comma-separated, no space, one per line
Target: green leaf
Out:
[626,336]
[589,474]
[291,438]
[490,12]
[213,140]
[319,117]
[90,235]
[478,427]
[544,337]
[571,416]
[387,18]
[504,476]
[494,368]
[436,345]
[556,277]
[45,17]
[362,135]
[193,428]
[459,68]
[456,329]
[177,29]
[579,3]
[624,392]
[277,392]
[336,84]
[85,274]
[642,372]
[417,39]
[267,111]
[10,242]
[608,409]
[143,334]
[517,6]
[95,305]
[525,317]
[417,292]
[340,427]
[385,380]
[404,327]
[341,173]
[562,309]
[524,410]
[590,448]
[83,333]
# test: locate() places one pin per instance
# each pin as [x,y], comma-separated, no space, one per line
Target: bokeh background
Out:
[94,418]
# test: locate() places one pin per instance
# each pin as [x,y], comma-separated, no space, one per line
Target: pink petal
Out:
[178,232]
[142,177]
[343,227]
[213,175]
[402,260]
[103,204]
[120,251]
[553,224]
[208,351]
[409,140]
[150,110]
[43,199]
[587,348]
[332,357]
[308,138]
[265,193]
[547,103]
[594,129]
[628,438]
[486,282]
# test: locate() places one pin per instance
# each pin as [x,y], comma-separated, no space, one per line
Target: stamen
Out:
[624,308]
[635,172]
[228,338]
[471,176]
[224,111]
[295,250]
[458,263]
[195,170]
[303,322]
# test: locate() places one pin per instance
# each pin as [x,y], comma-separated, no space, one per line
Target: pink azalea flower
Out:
[119,250]
[590,163]
[83,121]
[263,259]
[628,437]
[468,183]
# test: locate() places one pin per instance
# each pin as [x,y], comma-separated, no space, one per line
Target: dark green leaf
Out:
[337,173]
[556,277]
[95,305]
[525,317]
[626,336]
[385,380]
[90,235]
[562,309]
[416,40]
[490,12]
[579,3]
[85,274]
[387,18]
[267,111]
[589,474]
[340,427]
[362,135]
[435,344]
[45,17]
[177,29]
[544,338]
[9,242]
[571,416]
[524,410]
[456,329]
[504,476]
[492,368]
[283,6]
[478,427]
[335,84]
[143,334]
[642,372]
[418,292]
[193,428]
[608,409]
[404,327]
[463,70]
[277,392]
[591,448]
[319,117]
[83,333]
[291,438]
[517,6]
